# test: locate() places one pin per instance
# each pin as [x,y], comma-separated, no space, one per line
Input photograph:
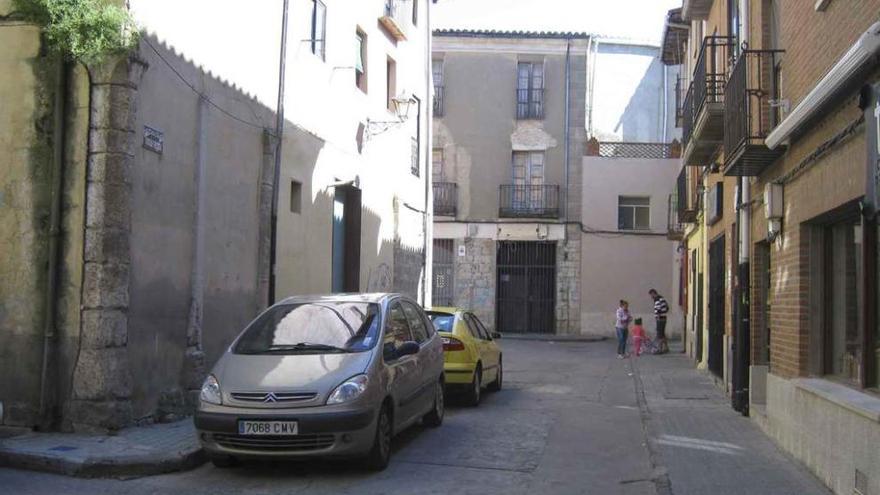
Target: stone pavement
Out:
[700,445]
[137,451]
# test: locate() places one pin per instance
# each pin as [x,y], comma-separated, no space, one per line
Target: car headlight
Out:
[210,391]
[348,390]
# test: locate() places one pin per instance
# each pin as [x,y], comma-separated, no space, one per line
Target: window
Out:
[360,65]
[487,335]
[391,83]
[319,28]
[528,180]
[842,294]
[437,164]
[397,332]
[472,327]
[437,74]
[633,212]
[295,196]
[416,322]
[530,90]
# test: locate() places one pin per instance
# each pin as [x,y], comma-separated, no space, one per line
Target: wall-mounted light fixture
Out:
[402,105]
[773,210]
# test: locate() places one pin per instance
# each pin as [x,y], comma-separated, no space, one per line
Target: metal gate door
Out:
[443,272]
[716,307]
[526,297]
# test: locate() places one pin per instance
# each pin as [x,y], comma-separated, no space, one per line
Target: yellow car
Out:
[471,357]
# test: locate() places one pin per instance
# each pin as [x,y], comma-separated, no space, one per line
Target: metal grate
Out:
[635,150]
[438,100]
[445,198]
[674,228]
[276,443]
[526,298]
[273,397]
[442,284]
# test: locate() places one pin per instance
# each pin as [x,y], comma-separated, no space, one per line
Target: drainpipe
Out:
[665,103]
[279,136]
[51,300]
[567,126]
[429,111]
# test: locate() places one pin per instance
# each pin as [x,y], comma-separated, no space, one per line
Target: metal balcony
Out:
[528,201]
[392,19]
[749,116]
[687,201]
[445,199]
[438,100]
[706,130]
[696,9]
[674,227]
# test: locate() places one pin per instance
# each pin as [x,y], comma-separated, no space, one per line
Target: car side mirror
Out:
[408,348]
[496,335]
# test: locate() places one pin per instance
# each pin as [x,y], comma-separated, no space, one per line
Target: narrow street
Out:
[571,419]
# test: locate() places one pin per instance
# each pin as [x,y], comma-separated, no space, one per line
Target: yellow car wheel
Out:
[473,394]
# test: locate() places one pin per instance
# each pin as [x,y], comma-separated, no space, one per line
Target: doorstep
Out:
[129,453]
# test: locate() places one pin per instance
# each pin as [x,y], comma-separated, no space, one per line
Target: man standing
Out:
[661,307]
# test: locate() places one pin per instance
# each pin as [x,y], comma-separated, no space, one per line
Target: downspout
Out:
[429,112]
[279,136]
[51,300]
[665,102]
[567,127]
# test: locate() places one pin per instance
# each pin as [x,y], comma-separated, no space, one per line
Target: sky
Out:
[639,20]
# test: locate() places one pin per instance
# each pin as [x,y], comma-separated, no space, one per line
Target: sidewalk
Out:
[133,452]
[698,444]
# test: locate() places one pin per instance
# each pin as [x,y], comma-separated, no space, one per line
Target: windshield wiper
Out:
[305,346]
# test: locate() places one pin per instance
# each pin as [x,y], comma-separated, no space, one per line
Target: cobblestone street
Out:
[571,419]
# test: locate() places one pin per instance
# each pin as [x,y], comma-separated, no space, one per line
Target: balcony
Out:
[704,105]
[674,226]
[392,19]
[696,9]
[528,201]
[749,116]
[680,93]
[438,101]
[687,199]
[445,199]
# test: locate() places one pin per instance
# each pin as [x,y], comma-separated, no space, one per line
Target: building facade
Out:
[165,179]
[787,124]
[529,232]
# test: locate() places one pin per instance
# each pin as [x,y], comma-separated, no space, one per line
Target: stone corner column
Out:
[100,398]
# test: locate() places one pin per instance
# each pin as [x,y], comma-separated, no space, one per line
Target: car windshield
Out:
[442,321]
[312,328]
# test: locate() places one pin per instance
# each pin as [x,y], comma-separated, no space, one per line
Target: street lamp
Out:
[401,105]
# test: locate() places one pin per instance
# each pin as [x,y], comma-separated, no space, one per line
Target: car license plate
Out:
[281,428]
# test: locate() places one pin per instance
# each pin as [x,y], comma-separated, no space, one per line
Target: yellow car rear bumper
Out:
[459,373]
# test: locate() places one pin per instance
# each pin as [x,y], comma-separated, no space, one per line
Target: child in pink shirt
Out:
[638,335]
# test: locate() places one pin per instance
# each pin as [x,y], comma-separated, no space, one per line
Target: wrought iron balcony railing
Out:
[703,123]
[445,198]
[529,201]
[686,198]
[438,100]
[710,71]
[687,116]
[680,89]
[748,114]
[674,227]
[620,149]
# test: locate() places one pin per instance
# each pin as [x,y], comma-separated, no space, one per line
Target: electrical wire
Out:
[822,150]
[204,96]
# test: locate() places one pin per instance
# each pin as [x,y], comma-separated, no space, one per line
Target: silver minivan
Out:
[324,376]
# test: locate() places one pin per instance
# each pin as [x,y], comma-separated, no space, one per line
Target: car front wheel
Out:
[380,454]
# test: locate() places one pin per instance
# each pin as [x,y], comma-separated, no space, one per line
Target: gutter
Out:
[51,299]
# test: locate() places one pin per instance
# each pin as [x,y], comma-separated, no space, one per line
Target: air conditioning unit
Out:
[715,203]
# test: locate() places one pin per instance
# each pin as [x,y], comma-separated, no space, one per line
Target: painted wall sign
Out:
[154,139]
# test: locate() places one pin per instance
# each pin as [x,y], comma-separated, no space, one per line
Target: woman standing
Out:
[622,325]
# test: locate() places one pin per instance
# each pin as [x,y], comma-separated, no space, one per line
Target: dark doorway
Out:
[526,297]
[716,306]
[346,258]
[699,324]
[441,291]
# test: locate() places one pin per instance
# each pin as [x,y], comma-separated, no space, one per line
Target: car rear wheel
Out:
[380,454]
[496,385]
[434,418]
[474,391]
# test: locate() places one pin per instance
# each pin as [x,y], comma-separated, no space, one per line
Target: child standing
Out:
[622,326]
[638,335]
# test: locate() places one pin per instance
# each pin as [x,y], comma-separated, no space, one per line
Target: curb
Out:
[554,338]
[133,466]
